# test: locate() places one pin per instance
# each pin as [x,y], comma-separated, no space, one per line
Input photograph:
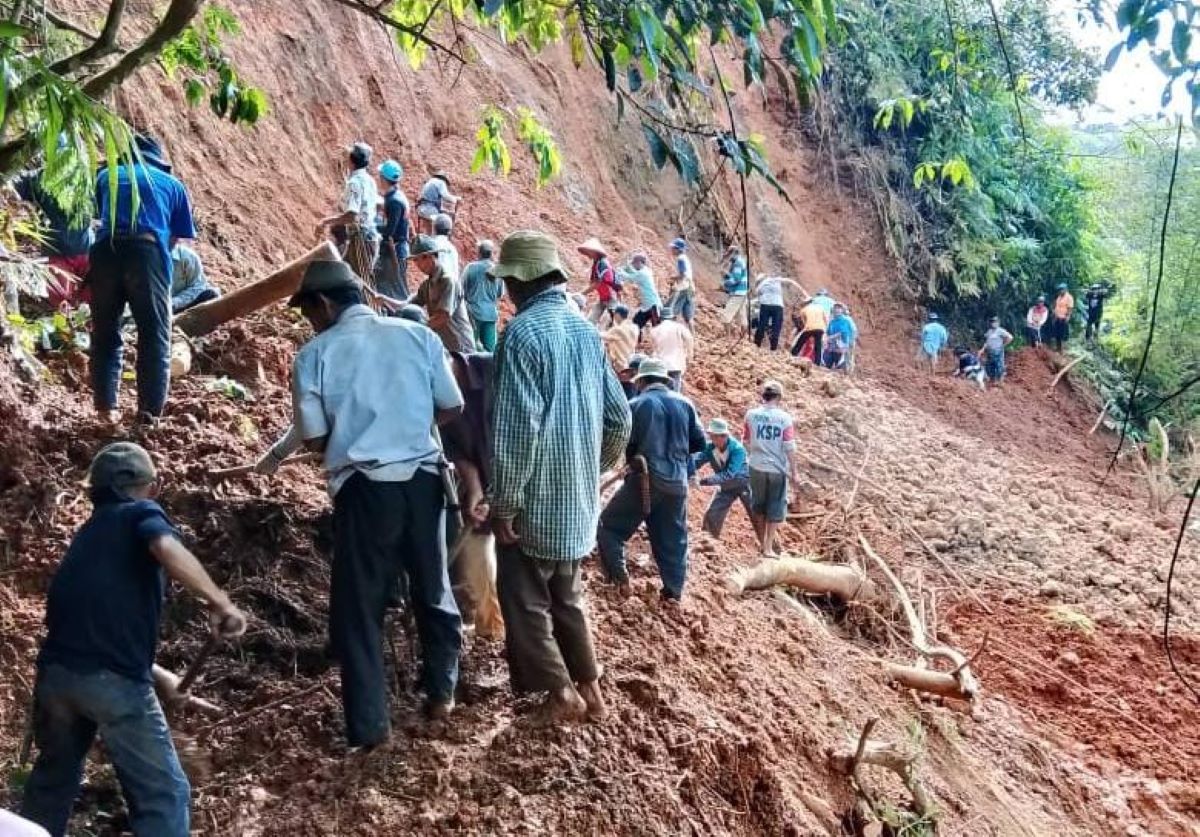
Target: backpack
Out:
[600,268]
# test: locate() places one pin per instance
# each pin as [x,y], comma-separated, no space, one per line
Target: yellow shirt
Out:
[1063,304]
[619,343]
[814,317]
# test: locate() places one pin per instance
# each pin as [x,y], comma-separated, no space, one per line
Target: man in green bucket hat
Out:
[730,473]
[560,418]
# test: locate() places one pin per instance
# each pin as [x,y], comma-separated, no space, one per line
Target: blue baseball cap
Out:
[679,244]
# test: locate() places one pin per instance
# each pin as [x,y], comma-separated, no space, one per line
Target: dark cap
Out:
[324,276]
[121,465]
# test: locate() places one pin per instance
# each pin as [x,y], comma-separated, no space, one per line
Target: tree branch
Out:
[67,25]
[376,13]
[102,45]
[177,17]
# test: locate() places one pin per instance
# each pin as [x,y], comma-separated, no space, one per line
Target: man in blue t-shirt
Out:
[96,672]
[131,263]
[391,271]
[934,338]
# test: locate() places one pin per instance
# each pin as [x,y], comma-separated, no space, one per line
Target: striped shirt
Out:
[560,418]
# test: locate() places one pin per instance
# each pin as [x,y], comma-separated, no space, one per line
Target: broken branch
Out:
[1063,372]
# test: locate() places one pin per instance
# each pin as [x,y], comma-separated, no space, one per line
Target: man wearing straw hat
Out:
[666,432]
[731,474]
[560,419]
[602,281]
[360,199]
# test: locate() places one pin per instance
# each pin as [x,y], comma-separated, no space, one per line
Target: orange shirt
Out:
[814,317]
[1064,303]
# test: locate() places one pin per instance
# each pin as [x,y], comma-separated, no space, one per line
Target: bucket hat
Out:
[718,427]
[654,368]
[324,276]
[527,255]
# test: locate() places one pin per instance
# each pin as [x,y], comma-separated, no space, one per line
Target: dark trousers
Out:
[70,709]
[816,337]
[1092,331]
[391,270]
[770,321]
[133,271]
[732,491]
[1060,331]
[666,526]
[379,528]
[547,639]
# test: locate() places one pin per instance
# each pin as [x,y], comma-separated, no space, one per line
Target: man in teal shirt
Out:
[483,293]
[934,338]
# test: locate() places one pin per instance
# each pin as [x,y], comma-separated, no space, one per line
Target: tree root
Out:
[890,756]
[841,580]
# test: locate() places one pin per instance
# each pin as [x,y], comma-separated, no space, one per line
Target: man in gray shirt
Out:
[442,298]
[367,392]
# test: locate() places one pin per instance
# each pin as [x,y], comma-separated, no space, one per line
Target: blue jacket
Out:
[736,466]
[844,326]
[666,431]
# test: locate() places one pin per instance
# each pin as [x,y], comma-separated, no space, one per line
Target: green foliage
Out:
[983,213]
[492,150]
[198,56]
[54,333]
[651,53]
[1169,29]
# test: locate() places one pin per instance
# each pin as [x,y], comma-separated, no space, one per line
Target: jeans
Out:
[378,529]
[69,710]
[133,271]
[485,335]
[684,304]
[770,320]
[666,526]
[732,491]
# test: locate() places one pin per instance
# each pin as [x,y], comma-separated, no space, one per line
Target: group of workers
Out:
[1044,324]
[432,428]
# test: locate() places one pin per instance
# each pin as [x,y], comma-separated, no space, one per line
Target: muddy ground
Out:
[723,713]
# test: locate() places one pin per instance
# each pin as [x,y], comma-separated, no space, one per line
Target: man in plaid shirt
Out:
[560,418]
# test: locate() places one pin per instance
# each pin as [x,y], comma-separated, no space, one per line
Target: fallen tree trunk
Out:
[278,285]
[841,580]
[940,683]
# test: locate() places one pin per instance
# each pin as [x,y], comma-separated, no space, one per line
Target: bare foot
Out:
[594,700]
[563,705]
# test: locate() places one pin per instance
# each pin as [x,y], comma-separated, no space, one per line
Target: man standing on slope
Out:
[620,339]
[640,276]
[769,290]
[731,474]
[95,670]
[842,335]
[683,283]
[1035,322]
[392,278]
[665,434]
[736,283]
[994,343]
[482,293]
[674,345]
[934,338]
[770,437]
[1093,303]
[367,392]
[131,263]
[814,319]
[435,199]
[360,199]
[1060,323]
[602,281]
[560,419]
[442,298]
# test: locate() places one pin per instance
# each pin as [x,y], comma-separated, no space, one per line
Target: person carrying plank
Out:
[666,432]
[360,199]
[367,393]
[95,670]
[560,419]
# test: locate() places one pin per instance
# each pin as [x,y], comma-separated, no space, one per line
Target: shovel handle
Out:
[193,670]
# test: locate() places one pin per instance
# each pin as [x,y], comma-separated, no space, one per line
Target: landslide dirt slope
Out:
[722,713]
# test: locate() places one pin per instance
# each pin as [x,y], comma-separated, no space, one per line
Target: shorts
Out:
[649,316]
[768,495]
[428,211]
[734,309]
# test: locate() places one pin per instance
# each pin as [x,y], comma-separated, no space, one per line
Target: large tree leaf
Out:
[660,152]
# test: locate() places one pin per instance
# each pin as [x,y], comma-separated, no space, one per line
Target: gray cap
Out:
[423,245]
[324,276]
[121,465]
[443,223]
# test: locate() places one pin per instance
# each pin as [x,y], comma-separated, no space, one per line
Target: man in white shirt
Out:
[360,200]
[683,284]
[367,392]
[769,292]
[770,438]
[443,226]
[673,344]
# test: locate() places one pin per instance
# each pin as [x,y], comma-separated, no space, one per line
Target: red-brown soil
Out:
[722,713]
